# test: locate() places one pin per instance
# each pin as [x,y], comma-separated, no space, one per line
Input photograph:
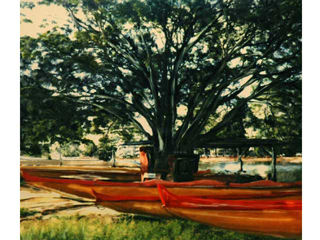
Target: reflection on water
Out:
[287,172]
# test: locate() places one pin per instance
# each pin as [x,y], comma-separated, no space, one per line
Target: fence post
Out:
[273,165]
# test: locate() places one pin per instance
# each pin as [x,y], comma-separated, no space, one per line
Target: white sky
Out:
[37,14]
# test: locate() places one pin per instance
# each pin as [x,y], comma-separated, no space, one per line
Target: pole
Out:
[113,158]
[273,165]
[240,160]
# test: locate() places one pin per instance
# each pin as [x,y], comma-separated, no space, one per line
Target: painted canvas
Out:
[161,119]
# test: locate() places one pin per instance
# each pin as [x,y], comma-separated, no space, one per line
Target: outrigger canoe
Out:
[280,218]
[120,174]
[144,205]
[83,172]
[199,188]
[151,205]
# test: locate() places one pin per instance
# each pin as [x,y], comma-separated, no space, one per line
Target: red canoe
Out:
[119,174]
[153,183]
[264,217]
[107,173]
[200,188]
[144,205]
[151,205]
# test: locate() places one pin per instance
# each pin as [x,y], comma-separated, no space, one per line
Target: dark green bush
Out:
[24,212]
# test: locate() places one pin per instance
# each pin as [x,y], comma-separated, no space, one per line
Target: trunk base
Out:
[162,167]
[184,166]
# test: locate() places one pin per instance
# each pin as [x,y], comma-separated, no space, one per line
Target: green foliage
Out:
[70,150]
[22,181]
[282,117]
[45,119]
[91,150]
[126,228]
[24,4]
[106,145]
[27,20]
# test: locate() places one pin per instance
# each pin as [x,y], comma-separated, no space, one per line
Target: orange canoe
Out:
[281,218]
[200,188]
[145,205]
[105,173]
[151,205]
[119,174]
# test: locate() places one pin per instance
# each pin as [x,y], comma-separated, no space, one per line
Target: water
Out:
[286,172]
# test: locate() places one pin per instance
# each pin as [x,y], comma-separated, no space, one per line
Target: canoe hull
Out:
[280,218]
[150,205]
[148,208]
[111,174]
[124,174]
[278,223]
[204,188]
[85,191]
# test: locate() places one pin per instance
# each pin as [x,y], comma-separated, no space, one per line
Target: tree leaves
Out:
[24,4]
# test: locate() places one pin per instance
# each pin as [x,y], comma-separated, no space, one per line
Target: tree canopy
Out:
[150,59]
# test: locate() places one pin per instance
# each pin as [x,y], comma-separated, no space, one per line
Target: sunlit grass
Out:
[138,228]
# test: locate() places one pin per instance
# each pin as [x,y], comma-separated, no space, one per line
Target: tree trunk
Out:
[273,165]
[240,160]
[161,164]
[182,163]
[240,154]
[113,158]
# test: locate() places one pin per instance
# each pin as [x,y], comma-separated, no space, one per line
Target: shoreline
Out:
[95,161]
[251,159]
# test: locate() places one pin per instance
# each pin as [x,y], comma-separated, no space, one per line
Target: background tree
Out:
[45,120]
[281,118]
[91,150]
[147,59]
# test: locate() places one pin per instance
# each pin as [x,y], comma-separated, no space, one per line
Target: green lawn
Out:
[126,227]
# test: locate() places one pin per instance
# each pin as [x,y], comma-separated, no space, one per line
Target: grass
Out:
[25,212]
[22,182]
[126,227]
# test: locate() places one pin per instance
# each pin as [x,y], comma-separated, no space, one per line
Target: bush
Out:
[91,150]
[104,155]
[24,212]
[71,150]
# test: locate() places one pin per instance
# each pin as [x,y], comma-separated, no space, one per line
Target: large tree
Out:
[149,59]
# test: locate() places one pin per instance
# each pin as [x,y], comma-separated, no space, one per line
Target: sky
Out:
[37,14]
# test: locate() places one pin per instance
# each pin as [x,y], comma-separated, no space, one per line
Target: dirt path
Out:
[45,204]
